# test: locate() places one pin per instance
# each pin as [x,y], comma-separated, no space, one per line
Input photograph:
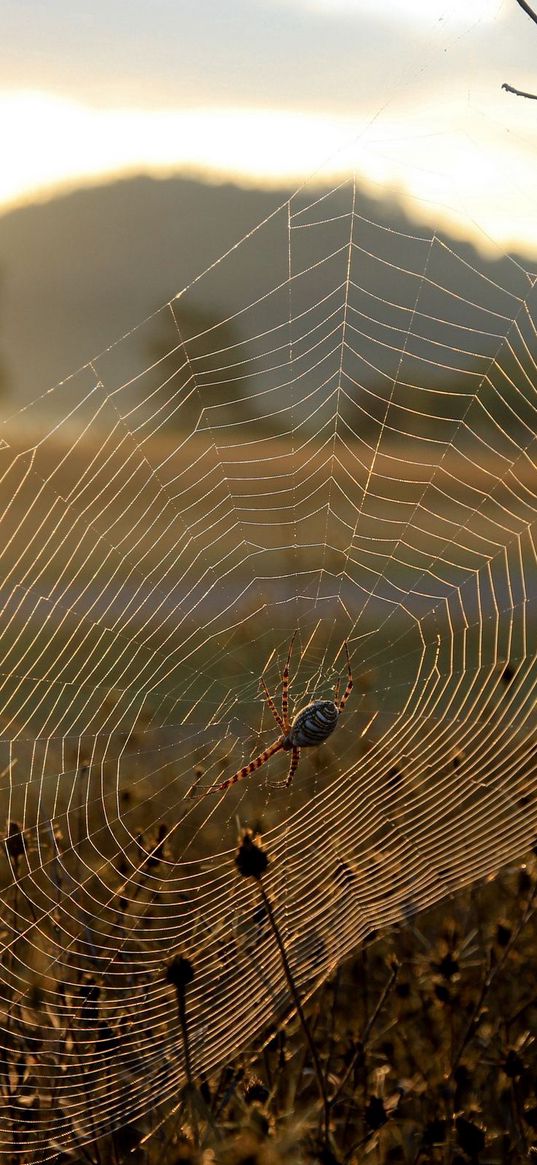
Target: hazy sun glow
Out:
[430,158]
[411,10]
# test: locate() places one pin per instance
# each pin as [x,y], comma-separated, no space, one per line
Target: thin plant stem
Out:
[491,975]
[181,1008]
[367,1032]
[296,1000]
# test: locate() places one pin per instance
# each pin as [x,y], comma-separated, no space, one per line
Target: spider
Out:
[309,727]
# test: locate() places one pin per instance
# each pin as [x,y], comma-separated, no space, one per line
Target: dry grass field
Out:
[418,1049]
[425,1042]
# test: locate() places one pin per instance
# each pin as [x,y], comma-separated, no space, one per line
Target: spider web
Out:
[348,452]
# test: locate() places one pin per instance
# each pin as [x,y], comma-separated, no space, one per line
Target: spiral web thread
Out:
[349,452]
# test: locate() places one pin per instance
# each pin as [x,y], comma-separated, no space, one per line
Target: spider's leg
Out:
[348,689]
[293,766]
[295,757]
[285,688]
[241,774]
[336,690]
[273,707]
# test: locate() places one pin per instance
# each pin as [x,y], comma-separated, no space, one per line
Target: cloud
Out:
[268,91]
[300,54]
[414,12]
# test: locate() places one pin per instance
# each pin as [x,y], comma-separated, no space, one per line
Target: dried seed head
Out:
[36,996]
[469,1136]
[256,1092]
[513,1065]
[435,1131]
[127,1138]
[375,1113]
[462,1077]
[14,841]
[447,967]
[107,1040]
[503,934]
[158,852]
[179,972]
[250,860]
[394,777]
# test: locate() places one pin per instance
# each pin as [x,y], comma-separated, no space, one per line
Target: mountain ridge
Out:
[83,269]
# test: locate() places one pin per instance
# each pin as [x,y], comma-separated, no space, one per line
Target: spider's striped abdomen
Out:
[312,725]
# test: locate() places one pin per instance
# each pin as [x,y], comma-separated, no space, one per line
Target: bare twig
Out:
[367,1031]
[519,92]
[523,4]
[491,975]
[526,8]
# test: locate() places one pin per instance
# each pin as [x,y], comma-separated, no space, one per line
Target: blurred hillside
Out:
[84,268]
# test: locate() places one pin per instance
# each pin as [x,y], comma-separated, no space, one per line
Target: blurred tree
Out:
[204,368]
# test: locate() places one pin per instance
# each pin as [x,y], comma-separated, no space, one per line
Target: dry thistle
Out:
[470,1137]
[179,974]
[250,860]
[375,1113]
[14,842]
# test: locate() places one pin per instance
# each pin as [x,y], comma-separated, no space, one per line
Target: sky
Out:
[407,93]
